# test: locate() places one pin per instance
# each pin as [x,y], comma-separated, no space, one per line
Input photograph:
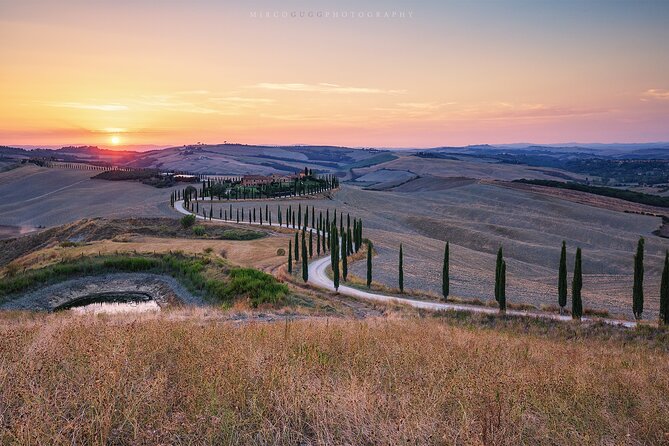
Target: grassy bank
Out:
[210,278]
[173,380]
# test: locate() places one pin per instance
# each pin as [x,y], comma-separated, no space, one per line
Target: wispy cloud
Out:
[323,88]
[655,94]
[241,101]
[85,106]
[424,105]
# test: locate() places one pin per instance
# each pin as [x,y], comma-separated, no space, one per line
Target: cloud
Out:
[83,106]
[323,88]
[656,94]
[239,101]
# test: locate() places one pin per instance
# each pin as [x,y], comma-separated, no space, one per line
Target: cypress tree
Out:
[299,215]
[401,270]
[562,278]
[305,266]
[334,239]
[344,257]
[290,257]
[576,286]
[637,291]
[311,243]
[502,288]
[349,243]
[297,248]
[318,242]
[369,264]
[664,292]
[445,279]
[498,273]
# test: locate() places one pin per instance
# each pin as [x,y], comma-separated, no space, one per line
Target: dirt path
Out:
[319,278]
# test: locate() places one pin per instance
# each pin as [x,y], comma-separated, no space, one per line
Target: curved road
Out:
[318,277]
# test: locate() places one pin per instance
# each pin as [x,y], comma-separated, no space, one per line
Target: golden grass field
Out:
[184,377]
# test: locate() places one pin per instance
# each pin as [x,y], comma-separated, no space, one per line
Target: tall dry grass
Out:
[172,380]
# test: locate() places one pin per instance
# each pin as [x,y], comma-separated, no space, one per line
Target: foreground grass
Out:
[169,380]
[208,277]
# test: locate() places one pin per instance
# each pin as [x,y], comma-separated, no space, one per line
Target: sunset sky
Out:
[447,73]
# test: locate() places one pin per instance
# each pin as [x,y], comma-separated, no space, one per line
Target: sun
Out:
[115,140]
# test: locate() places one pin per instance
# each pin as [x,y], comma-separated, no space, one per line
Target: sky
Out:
[356,73]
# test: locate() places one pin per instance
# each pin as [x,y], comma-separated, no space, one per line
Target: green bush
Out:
[256,285]
[187,221]
[199,230]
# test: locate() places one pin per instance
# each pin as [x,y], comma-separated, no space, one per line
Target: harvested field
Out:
[479,169]
[477,219]
[385,178]
[36,196]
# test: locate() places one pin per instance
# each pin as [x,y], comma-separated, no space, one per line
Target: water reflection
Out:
[117,307]
[112,303]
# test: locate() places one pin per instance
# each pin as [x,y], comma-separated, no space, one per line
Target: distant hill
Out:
[232,159]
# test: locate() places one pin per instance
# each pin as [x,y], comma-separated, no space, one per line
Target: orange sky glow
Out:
[454,73]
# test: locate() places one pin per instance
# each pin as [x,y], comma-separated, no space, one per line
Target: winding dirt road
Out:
[318,277]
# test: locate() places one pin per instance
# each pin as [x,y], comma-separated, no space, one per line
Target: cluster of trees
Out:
[332,235]
[234,189]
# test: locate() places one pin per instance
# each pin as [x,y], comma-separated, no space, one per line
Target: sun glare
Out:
[115,140]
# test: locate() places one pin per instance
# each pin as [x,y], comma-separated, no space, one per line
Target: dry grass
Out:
[260,254]
[169,379]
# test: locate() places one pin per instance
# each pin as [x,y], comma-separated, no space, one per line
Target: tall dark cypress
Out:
[290,257]
[562,278]
[498,273]
[664,292]
[334,240]
[318,242]
[445,279]
[369,264]
[637,291]
[576,287]
[401,270]
[344,257]
[305,265]
[297,247]
[311,243]
[502,288]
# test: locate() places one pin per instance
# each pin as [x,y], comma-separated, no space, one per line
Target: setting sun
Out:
[115,140]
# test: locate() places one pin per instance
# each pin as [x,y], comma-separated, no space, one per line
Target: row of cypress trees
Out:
[577,281]
[351,241]
[219,189]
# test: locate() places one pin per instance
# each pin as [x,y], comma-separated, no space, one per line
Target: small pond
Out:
[112,303]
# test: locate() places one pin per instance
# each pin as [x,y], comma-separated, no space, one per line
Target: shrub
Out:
[281,252]
[259,287]
[187,221]
[199,230]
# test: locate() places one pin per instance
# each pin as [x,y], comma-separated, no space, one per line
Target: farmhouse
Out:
[255,180]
